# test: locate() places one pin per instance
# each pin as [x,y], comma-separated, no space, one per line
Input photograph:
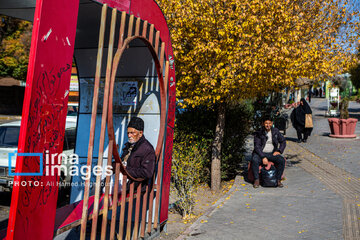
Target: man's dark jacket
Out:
[141,162]
[260,139]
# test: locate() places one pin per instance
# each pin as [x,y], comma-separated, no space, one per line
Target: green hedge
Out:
[196,126]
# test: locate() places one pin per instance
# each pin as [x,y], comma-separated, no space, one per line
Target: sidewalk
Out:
[319,200]
[342,153]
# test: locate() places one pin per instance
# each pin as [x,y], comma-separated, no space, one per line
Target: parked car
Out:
[9,138]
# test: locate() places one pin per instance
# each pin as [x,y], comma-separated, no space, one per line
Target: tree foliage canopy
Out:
[226,50]
[15,38]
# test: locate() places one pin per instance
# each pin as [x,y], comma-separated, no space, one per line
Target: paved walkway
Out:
[320,199]
[342,153]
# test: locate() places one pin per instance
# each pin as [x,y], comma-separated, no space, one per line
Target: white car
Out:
[9,137]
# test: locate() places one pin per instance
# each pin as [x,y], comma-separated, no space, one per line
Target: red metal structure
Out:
[59,27]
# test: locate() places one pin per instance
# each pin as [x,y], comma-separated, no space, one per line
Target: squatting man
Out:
[269,144]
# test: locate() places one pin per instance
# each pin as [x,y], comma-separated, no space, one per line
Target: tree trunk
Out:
[216,149]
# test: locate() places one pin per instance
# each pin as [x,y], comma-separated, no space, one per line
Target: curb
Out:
[209,212]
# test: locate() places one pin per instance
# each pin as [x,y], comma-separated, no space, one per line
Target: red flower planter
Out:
[342,128]
[334,124]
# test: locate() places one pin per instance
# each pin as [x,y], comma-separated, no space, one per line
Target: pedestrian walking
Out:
[301,119]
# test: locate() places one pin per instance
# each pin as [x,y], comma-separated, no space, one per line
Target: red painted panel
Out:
[33,208]
[172,98]
[73,212]
[166,175]
[121,5]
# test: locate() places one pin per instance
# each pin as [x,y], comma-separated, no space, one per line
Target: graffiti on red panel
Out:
[46,110]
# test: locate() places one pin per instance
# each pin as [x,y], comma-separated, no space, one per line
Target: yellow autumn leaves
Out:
[187,164]
[227,50]
[15,39]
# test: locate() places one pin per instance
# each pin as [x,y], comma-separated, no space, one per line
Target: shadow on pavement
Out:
[291,139]
[290,160]
[3,224]
[321,108]
[5,198]
[357,116]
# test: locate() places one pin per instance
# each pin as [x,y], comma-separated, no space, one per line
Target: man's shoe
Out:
[280,185]
[256,183]
[298,141]
[304,140]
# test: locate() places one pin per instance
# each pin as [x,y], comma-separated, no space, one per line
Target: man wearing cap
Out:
[269,144]
[138,154]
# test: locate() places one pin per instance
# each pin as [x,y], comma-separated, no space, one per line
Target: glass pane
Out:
[70,136]
[72,110]
[11,137]
[2,134]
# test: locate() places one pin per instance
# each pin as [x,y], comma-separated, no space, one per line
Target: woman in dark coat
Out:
[298,120]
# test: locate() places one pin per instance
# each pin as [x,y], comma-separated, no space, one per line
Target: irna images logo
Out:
[56,164]
[40,155]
